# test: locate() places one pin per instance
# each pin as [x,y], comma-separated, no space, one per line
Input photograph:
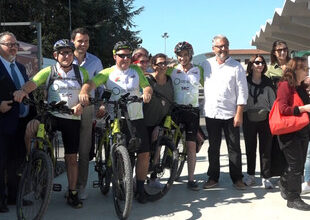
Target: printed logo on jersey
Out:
[116,91]
[117,79]
[179,71]
[178,81]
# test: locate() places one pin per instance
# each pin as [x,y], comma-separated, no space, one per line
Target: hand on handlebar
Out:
[19,95]
[101,111]
[84,98]
[77,110]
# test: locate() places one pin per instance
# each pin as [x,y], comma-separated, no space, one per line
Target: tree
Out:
[108,21]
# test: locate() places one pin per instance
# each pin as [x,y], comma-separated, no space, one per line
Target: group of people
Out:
[232,97]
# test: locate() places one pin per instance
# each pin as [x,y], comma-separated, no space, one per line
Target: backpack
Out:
[53,75]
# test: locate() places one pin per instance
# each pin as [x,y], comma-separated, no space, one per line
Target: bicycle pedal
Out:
[57,187]
[95,184]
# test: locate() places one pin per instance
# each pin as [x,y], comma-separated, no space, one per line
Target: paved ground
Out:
[222,202]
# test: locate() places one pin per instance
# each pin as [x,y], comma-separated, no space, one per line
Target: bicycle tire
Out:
[104,171]
[182,153]
[122,181]
[35,186]
[168,163]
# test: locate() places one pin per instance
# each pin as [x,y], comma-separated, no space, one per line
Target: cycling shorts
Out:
[190,120]
[70,131]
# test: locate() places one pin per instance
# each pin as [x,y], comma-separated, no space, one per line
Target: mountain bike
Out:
[36,182]
[176,132]
[113,163]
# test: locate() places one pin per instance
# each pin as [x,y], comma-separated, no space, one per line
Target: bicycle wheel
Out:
[164,170]
[122,182]
[35,187]
[182,153]
[103,165]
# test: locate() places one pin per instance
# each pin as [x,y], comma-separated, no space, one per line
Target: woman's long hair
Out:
[289,74]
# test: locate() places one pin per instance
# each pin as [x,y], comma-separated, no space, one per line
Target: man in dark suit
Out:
[13,119]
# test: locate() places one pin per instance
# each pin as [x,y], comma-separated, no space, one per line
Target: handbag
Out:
[283,124]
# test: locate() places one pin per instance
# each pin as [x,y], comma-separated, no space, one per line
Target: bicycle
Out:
[36,181]
[175,132]
[114,164]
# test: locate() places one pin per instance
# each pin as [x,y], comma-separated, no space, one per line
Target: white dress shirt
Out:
[225,87]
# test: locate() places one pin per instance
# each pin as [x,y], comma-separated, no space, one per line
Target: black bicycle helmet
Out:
[63,43]
[184,46]
[120,46]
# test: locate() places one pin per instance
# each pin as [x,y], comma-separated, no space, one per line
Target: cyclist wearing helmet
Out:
[121,79]
[186,79]
[63,82]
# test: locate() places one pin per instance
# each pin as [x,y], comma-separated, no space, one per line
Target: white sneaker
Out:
[305,188]
[268,184]
[83,194]
[249,180]
[155,184]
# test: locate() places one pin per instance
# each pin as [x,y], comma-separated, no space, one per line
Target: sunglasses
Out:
[161,64]
[10,45]
[65,53]
[281,49]
[259,62]
[224,46]
[123,56]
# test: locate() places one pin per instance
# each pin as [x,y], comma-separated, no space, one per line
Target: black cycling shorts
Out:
[190,121]
[70,132]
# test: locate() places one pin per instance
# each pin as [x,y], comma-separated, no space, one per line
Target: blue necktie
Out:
[18,86]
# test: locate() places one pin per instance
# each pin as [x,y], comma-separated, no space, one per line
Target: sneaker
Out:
[268,184]
[249,180]
[141,198]
[305,188]
[154,183]
[193,185]
[82,193]
[209,184]
[239,185]
[73,199]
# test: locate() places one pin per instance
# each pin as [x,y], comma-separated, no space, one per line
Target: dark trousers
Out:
[12,155]
[251,130]
[232,136]
[294,147]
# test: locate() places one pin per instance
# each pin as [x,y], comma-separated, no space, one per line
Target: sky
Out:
[198,21]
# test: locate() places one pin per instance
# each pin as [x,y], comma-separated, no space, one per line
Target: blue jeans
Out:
[307,165]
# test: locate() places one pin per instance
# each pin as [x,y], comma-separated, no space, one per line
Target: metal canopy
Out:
[290,23]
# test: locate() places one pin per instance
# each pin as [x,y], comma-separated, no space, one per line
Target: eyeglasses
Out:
[10,45]
[221,46]
[161,64]
[144,61]
[281,49]
[65,53]
[123,56]
[259,62]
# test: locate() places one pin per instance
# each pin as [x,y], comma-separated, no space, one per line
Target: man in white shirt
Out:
[80,38]
[226,92]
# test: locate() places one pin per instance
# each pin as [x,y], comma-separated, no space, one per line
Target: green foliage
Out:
[108,21]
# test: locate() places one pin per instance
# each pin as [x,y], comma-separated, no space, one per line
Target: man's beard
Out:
[222,56]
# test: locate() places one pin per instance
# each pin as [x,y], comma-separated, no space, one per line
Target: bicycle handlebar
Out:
[53,106]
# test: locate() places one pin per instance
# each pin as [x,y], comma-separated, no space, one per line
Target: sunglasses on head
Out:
[259,62]
[123,56]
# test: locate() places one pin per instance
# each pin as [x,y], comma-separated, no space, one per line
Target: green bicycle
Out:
[36,182]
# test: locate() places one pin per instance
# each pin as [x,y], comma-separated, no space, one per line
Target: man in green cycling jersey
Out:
[63,81]
[125,78]
[186,79]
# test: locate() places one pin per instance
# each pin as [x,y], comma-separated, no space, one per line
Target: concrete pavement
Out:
[221,202]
